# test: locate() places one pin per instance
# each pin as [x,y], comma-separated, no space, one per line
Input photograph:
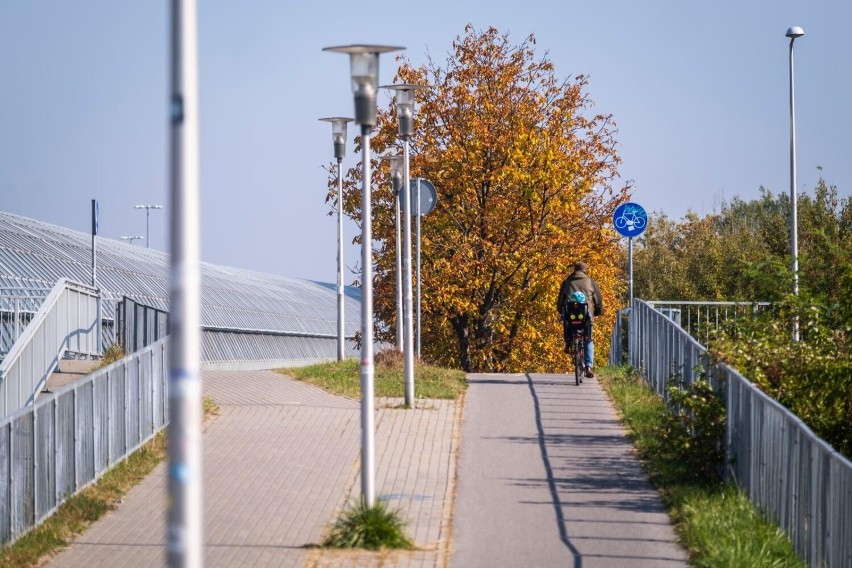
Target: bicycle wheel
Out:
[578,361]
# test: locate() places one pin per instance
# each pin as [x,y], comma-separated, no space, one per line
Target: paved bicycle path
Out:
[546,477]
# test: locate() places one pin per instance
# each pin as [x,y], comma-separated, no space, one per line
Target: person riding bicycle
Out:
[579,281]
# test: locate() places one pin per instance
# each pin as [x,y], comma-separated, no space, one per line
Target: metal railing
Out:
[139,325]
[700,318]
[65,441]
[788,472]
[17,308]
[66,321]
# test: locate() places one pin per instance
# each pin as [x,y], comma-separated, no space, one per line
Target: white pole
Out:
[630,270]
[399,327]
[408,307]
[340,298]
[794,238]
[368,452]
[417,213]
[184,531]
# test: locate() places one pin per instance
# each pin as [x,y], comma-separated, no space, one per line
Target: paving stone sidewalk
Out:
[280,462]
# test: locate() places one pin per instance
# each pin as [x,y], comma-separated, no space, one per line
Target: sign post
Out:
[424,195]
[630,221]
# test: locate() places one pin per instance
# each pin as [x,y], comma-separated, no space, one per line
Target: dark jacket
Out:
[580,281]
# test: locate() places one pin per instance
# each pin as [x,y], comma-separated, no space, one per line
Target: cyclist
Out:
[579,281]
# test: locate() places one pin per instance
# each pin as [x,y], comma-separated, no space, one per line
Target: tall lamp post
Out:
[396,170]
[147,209]
[364,67]
[793,33]
[405,99]
[338,133]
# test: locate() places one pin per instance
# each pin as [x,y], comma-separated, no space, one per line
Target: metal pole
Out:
[340,330]
[406,271]
[630,270]
[94,232]
[147,227]
[399,327]
[417,212]
[368,452]
[794,239]
[184,530]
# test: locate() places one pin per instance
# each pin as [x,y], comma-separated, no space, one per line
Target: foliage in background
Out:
[527,182]
[715,521]
[743,253]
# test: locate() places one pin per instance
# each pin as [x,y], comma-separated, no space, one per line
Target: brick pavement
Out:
[280,462]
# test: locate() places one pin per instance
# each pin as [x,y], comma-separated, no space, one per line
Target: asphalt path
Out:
[547,477]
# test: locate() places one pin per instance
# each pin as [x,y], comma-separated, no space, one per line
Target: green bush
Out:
[812,377]
[372,528]
[695,428]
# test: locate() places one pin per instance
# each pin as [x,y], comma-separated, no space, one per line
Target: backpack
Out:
[576,314]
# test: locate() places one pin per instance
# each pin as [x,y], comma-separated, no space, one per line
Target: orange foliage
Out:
[526,186]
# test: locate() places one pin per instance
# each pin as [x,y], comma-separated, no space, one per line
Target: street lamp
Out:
[131,239]
[364,67]
[405,99]
[338,133]
[147,209]
[793,33]
[397,171]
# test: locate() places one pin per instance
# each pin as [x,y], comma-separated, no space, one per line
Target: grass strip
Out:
[74,516]
[715,521]
[343,378]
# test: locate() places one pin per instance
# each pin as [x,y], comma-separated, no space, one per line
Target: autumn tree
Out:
[527,182]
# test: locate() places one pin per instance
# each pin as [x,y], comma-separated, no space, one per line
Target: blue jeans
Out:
[590,354]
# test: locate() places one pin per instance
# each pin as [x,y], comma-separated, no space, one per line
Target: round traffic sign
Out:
[428,196]
[630,219]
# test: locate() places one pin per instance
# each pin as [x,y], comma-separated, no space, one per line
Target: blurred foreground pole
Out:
[184,538]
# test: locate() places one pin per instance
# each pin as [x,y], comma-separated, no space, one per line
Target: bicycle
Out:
[576,316]
[579,352]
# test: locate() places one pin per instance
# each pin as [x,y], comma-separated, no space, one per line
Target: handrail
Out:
[788,472]
[67,320]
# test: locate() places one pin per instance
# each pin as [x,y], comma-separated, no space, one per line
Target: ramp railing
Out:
[66,321]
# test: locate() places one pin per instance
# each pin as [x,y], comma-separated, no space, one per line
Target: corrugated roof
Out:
[35,255]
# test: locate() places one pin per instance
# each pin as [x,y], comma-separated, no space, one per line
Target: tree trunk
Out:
[460,325]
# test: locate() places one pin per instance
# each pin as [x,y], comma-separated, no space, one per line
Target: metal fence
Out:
[701,319]
[797,479]
[65,441]
[66,321]
[138,325]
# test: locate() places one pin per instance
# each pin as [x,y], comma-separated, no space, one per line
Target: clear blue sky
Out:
[698,89]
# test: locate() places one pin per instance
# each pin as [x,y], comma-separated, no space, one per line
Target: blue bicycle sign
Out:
[630,219]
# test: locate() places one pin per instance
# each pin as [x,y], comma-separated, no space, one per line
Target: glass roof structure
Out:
[246,310]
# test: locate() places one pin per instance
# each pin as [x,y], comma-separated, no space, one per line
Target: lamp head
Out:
[364,66]
[396,169]
[405,99]
[795,32]
[338,134]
